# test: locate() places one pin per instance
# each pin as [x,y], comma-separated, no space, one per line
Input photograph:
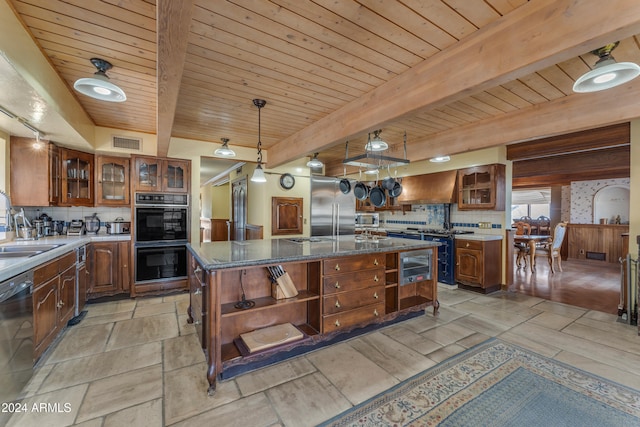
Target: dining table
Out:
[532,240]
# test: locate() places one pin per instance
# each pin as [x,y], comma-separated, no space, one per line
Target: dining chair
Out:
[522,228]
[544,225]
[552,249]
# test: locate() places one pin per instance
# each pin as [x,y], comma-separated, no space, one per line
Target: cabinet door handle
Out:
[337,304]
[197,291]
[467,245]
[337,285]
[197,270]
[375,295]
[375,261]
[337,267]
[375,312]
[337,323]
[375,278]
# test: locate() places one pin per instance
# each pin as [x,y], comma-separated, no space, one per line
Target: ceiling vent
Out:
[128,143]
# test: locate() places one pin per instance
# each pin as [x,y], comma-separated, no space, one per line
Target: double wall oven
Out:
[161,236]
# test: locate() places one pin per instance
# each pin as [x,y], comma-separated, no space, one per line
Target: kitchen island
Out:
[345,286]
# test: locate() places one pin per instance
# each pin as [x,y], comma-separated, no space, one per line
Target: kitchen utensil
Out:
[388,182]
[38,225]
[345,186]
[396,190]
[76,228]
[58,227]
[92,223]
[27,233]
[377,196]
[361,191]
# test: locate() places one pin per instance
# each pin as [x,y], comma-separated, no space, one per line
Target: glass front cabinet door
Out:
[176,176]
[77,178]
[147,174]
[112,181]
[161,174]
[482,187]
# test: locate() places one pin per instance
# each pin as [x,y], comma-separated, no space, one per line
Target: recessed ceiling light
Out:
[440,159]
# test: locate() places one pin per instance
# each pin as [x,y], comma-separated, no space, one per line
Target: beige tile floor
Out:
[138,363]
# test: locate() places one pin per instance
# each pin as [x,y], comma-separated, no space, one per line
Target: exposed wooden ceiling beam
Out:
[508,49]
[173,22]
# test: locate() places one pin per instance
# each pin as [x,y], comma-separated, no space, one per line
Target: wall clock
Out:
[287,181]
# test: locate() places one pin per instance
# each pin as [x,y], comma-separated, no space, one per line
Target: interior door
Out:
[239,208]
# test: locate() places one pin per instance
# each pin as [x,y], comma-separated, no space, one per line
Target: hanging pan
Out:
[377,197]
[388,182]
[345,184]
[396,190]
[361,191]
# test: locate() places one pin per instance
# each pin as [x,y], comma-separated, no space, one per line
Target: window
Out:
[532,203]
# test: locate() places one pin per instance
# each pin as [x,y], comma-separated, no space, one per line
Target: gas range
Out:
[438,232]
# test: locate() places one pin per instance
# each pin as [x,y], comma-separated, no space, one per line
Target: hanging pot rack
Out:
[375,160]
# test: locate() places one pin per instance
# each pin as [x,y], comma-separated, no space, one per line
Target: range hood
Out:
[439,187]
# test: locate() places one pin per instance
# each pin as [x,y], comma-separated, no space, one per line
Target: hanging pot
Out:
[361,191]
[388,182]
[345,186]
[396,190]
[378,197]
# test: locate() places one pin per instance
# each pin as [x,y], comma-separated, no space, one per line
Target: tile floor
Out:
[138,363]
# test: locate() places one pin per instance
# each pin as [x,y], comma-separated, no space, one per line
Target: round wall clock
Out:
[287,181]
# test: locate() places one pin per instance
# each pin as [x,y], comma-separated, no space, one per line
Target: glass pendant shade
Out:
[258,174]
[224,151]
[376,144]
[99,87]
[605,75]
[314,162]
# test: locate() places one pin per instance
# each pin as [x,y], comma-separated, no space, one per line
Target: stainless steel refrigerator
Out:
[333,213]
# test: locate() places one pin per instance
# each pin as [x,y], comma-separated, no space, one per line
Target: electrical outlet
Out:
[484,225]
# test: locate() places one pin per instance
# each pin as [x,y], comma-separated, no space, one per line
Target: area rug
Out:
[499,384]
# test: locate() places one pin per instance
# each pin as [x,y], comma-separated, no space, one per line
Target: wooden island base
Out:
[339,296]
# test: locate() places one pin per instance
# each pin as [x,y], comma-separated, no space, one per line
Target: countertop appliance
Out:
[92,223]
[76,228]
[16,334]
[367,220]
[446,250]
[415,266]
[119,226]
[332,212]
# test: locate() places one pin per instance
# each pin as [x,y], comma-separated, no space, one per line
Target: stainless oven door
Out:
[157,263]
[161,224]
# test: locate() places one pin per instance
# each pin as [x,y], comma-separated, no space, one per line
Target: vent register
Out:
[127,143]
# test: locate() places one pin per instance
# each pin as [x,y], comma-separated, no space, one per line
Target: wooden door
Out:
[147,174]
[286,215]
[45,314]
[67,295]
[124,265]
[176,175]
[29,173]
[83,283]
[103,261]
[112,181]
[55,175]
[77,178]
[469,266]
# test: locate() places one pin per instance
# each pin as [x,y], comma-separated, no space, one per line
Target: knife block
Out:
[283,287]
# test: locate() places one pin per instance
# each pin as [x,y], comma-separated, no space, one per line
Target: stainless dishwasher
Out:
[16,335]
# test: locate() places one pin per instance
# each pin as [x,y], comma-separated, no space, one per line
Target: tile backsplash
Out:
[432,216]
[67,214]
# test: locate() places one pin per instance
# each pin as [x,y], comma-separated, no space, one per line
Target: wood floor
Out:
[589,284]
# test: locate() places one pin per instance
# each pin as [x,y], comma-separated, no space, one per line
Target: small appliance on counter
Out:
[119,226]
[76,228]
[92,223]
[57,227]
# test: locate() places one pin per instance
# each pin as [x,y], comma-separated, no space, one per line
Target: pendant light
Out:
[315,163]
[99,86]
[376,144]
[258,173]
[224,151]
[607,73]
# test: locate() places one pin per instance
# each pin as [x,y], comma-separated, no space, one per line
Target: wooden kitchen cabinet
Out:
[198,279]
[155,174]
[35,173]
[109,271]
[77,178]
[482,187]
[53,300]
[479,264]
[286,215]
[112,181]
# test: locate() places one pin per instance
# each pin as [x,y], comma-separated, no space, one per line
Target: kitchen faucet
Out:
[7,216]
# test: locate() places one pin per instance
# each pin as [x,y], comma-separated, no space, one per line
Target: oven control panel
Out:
[162,199]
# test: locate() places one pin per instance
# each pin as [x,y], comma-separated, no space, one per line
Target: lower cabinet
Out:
[109,271]
[198,279]
[53,299]
[479,264]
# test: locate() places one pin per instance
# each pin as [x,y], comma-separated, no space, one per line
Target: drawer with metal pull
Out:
[352,263]
[352,281]
[337,303]
[366,314]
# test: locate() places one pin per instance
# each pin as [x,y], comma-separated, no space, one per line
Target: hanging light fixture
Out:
[376,144]
[99,86]
[607,73]
[314,162]
[258,173]
[224,151]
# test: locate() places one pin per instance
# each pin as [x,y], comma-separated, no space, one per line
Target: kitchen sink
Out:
[18,251]
[310,239]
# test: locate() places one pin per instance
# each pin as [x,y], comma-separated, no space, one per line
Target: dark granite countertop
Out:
[220,255]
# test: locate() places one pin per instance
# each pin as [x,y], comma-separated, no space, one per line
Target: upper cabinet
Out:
[153,174]
[35,173]
[482,187]
[77,178]
[112,181]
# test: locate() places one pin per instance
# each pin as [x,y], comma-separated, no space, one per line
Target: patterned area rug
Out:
[499,384]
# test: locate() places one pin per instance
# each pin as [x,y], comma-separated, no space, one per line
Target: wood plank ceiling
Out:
[328,69]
